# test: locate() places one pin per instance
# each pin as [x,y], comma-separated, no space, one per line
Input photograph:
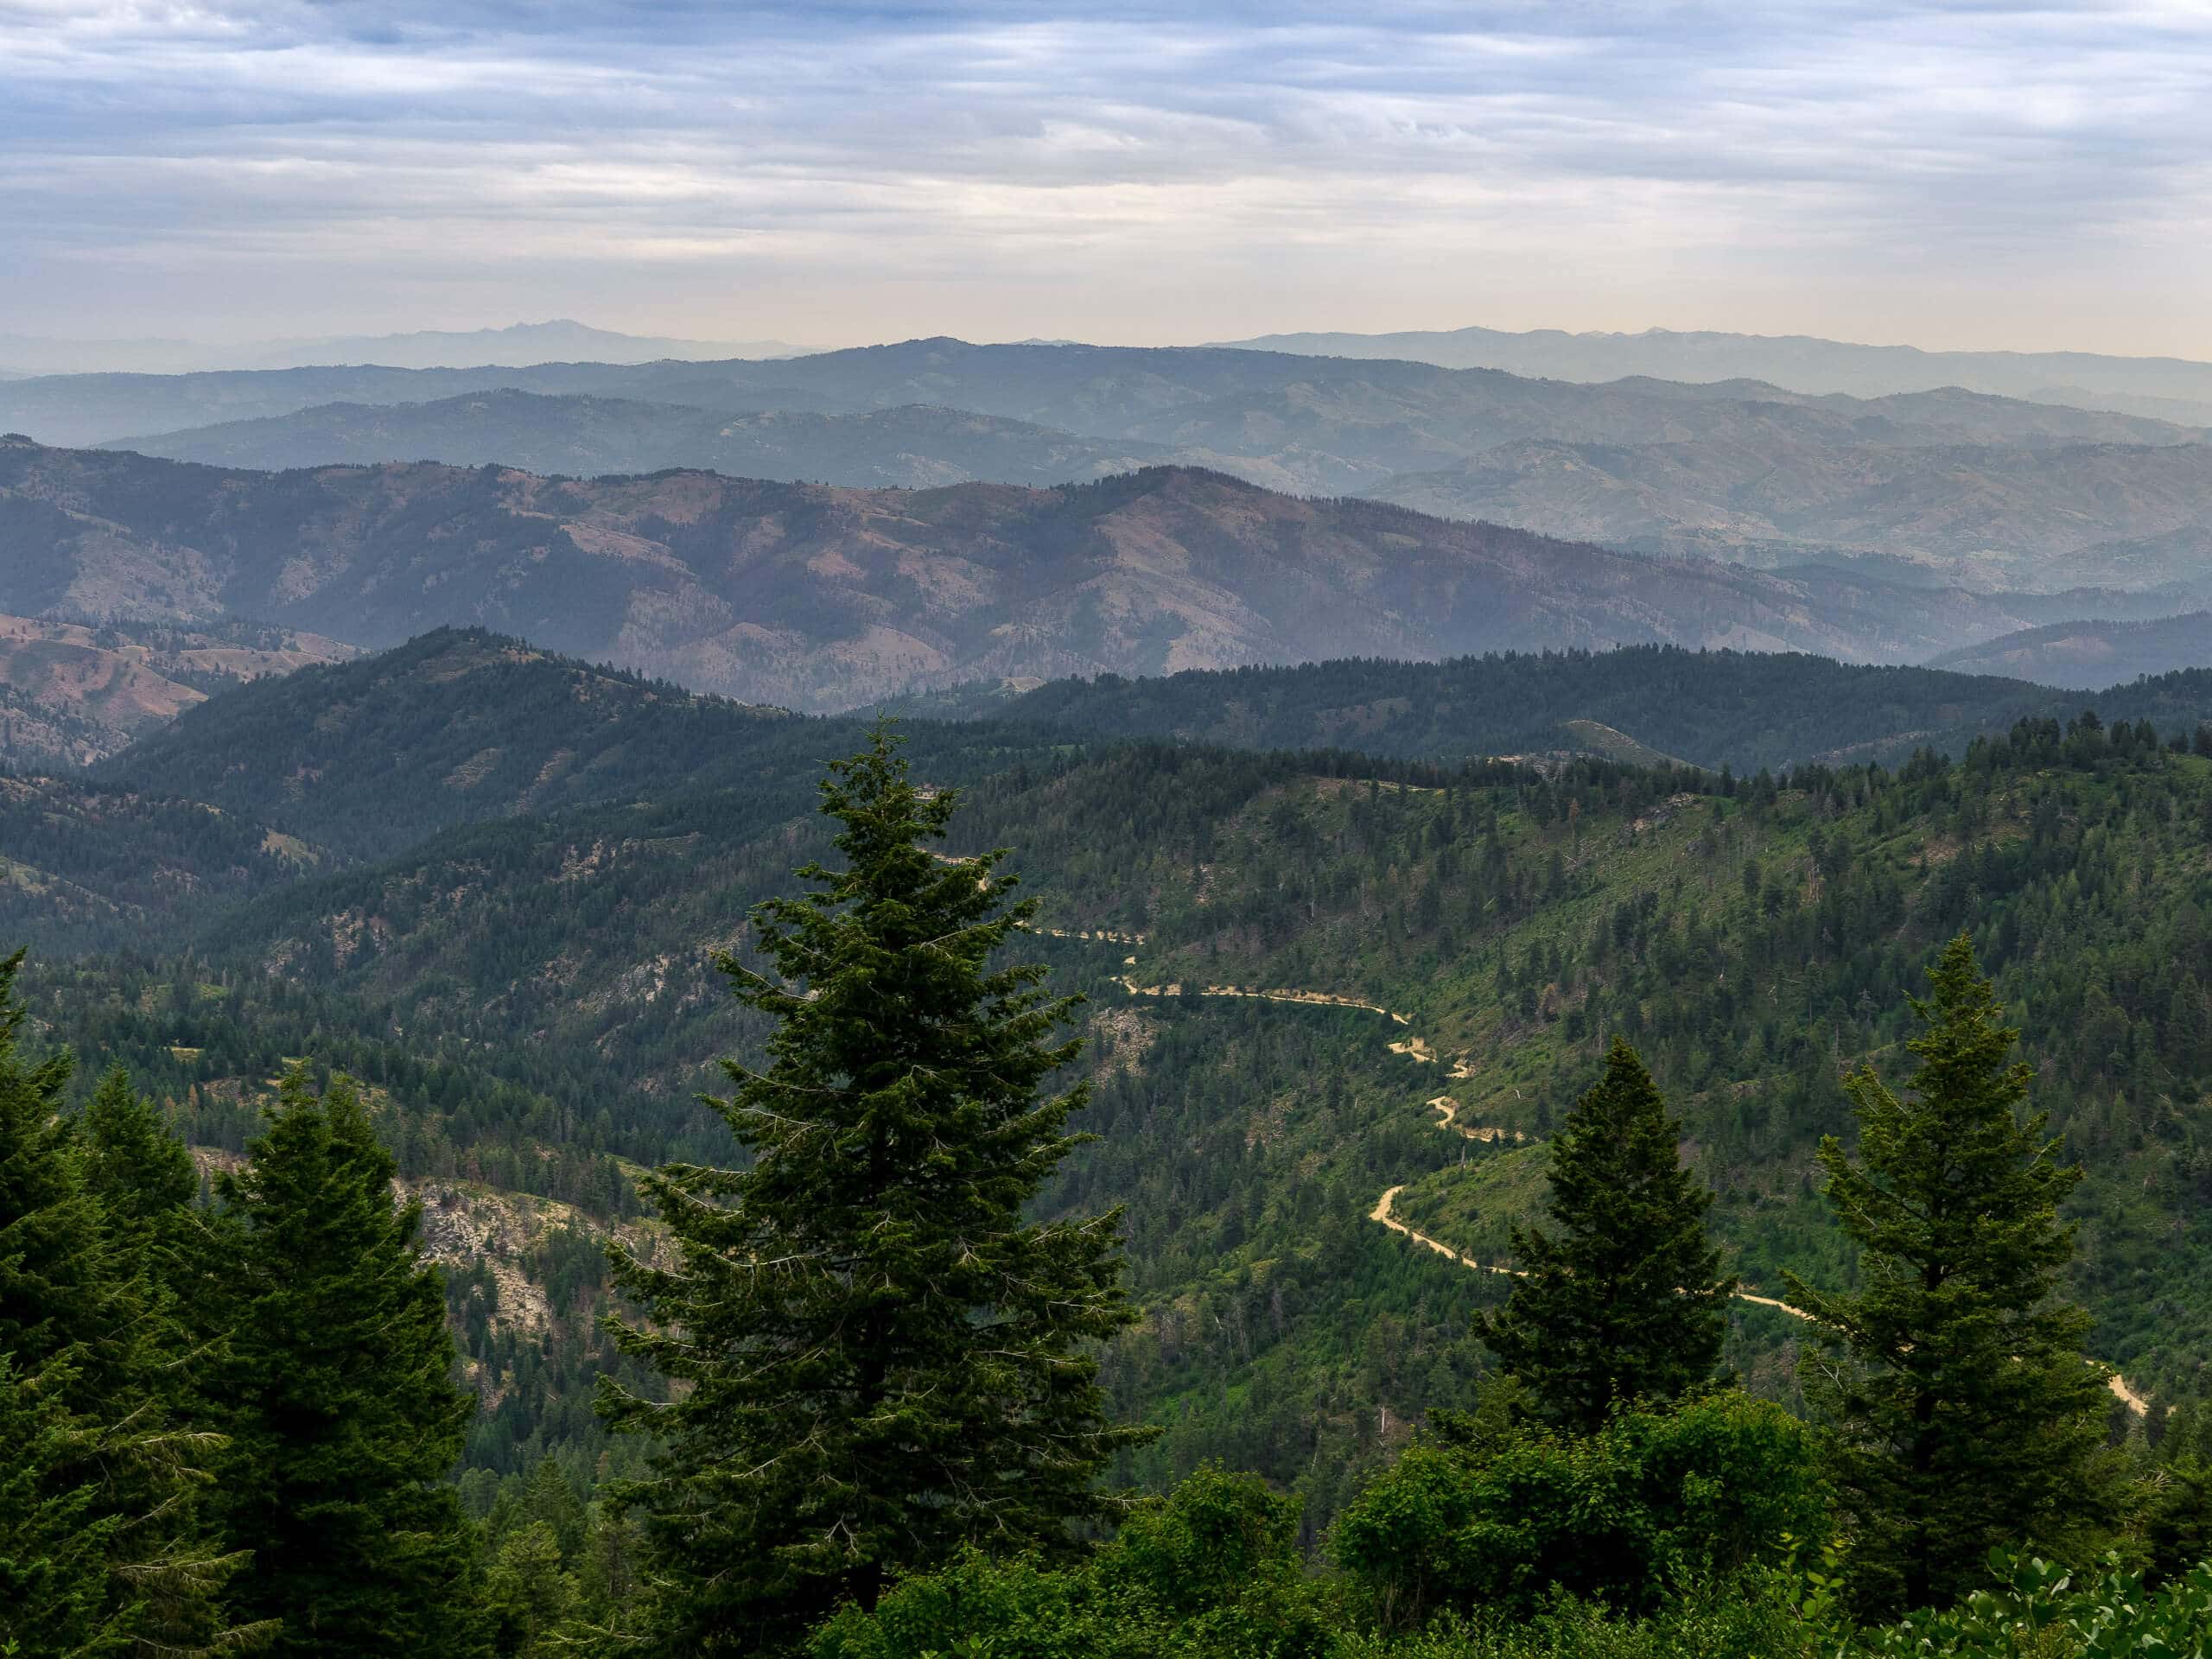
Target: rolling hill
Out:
[2000,516]
[821,598]
[1649,704]
[911,446]
[2002,492]
[2093,652]
[2170,388]
[71,694]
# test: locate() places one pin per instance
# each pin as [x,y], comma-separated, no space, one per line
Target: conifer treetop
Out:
[1624,1297]
[1962,1410]
[887,1358]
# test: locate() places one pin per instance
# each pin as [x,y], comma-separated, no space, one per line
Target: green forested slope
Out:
[367,757]
[1716,707]
[531,1001]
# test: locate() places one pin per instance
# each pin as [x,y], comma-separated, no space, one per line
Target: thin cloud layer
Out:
[1968,174]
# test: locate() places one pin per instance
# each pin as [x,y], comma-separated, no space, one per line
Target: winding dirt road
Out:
[1447,1110]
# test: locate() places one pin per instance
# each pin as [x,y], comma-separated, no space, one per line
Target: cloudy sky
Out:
[1963,174]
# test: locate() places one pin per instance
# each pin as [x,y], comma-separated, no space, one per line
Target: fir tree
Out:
[1964,1413]
[94,1362]
[881,1360]
[56,1537]
[58,1291]
[138,1170]
[527,1594]
[345,1414]
[1625,1300]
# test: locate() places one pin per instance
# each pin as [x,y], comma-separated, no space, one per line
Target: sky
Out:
[1962,175]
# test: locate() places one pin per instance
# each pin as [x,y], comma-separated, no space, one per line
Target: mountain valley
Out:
[517,954]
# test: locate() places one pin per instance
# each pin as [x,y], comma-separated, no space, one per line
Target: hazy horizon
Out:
[1953,176]
[242,341]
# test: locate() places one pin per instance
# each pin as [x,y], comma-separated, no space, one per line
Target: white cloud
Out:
[846,172]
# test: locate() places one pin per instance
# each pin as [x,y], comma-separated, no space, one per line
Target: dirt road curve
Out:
[1447,1110]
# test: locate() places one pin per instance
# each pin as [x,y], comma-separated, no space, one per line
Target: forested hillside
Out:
[2093,652]
[1711,707]
[1338,1004]
[1451,948]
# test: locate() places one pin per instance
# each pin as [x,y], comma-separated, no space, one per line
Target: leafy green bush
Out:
[1734,1626]
[1212,1572]
[2039,1609]
[1498,1515]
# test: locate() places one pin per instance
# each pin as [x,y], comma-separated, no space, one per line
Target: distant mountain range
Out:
[910,447]
[1336,425]
[1941,487]
[2030,516]
[2170,388]
[824,598]
[2092,653]
[518,345]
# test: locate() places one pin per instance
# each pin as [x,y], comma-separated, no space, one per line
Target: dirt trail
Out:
[1382,1213]
[1312,999]
[1105,935]
[1446,1108]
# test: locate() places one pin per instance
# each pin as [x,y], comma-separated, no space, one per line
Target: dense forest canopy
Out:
[1338,1008]
[1743,709]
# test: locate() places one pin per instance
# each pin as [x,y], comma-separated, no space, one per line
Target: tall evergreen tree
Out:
[56,1537]
[1964,1413]
[110,1469]
[58,1291]
[881,1360]
[345,1416]
[1625,1299]
[138,1170]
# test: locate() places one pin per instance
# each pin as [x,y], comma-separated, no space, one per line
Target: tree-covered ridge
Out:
[457,725]
[1738,708]
[1752,944]
[565,957]
[1252,1139]
[530,1003]
[907,1106]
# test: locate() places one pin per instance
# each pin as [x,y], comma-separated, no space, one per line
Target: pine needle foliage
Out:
[346,1418]
[104,1542]
[1964,1413]
[1625,1298]
[880,1360]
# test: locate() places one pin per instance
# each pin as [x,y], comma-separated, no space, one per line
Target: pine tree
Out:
[93,1361]
[881,1360]
[1964,1413]
[56,1537]
[1625,1300]
[138,1169]
[58,1292]
[346,1417]
[526,1592]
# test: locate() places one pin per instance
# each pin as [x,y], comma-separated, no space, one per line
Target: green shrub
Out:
[1496,1515]
[1211,1573]
[1735,1626]
[2040,1611]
